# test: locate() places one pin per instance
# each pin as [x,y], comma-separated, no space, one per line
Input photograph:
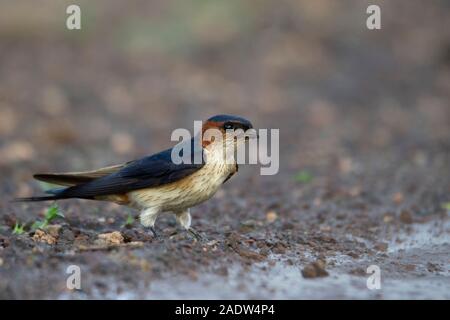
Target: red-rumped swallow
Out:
[155,184]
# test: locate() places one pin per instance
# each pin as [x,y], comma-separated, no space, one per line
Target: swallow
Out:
[155,184]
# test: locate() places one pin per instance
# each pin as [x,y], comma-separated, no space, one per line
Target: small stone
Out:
[251,223]
[67,235]
[271,216]
[212,243]
[81,239]
[114,237]
[222,271]
[381,246]
[315,270]
[135,244]
[388,218]
[432,267]
[279,249]
[358,272]
[53,230]
[353,255]
[41,236]
[406,217]
[354,191]
[251,255]
[325,228]
[410,267]
[398,198]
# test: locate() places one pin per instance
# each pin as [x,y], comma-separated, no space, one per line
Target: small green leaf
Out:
[53,213]
[38,225]
[129,221]
[303,176]
[446,206]
[35,225]
[18,228]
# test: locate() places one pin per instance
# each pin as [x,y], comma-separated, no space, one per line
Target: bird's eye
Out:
[228,126]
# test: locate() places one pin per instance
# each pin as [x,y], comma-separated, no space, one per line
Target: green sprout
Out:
[129,222]
[303,176]
[52,213]
[18,228]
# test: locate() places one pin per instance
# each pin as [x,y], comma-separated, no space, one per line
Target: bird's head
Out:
[230,130]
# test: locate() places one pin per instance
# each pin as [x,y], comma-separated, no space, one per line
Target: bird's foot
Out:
[156,235]
[197,236]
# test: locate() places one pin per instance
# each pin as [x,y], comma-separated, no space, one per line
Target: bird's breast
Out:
[187,192]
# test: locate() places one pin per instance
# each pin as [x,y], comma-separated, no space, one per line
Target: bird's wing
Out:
[152,171]
[75,178]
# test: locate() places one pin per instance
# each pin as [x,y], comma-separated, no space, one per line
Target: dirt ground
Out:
[364,119]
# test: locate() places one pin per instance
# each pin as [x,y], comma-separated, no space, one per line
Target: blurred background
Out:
[363,114]
[114,90]
[136,70]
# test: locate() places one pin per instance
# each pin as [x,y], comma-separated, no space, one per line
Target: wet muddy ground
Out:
[364,176]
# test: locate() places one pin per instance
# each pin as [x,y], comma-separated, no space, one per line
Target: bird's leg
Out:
[155,234]
[148,217]
[184,219]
